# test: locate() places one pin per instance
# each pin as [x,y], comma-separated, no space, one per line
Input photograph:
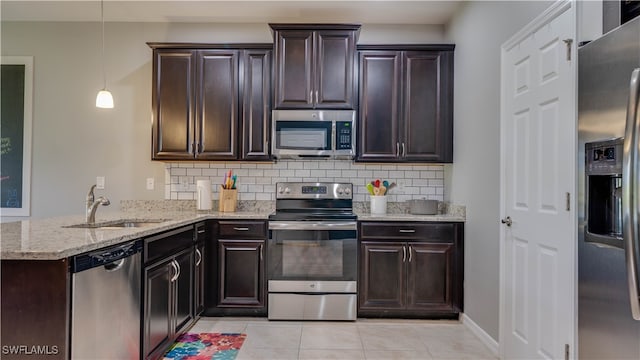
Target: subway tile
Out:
[287,173]
[263,196]
[201,165]
[264,166]
[310,165]
[302,173]
[318,173]
[325,179]
[271,172]
[262,180]
[185,196]
[247,196]
[292,179]
[326,165]
[185,165]
[178,171]
[256,173]
[436,182]
[367,174]
[248,166]
[217,166]
[372,166]
[396,174]
[342,165]
[349,173]
[334,173]
[209,172]
[194,172]
[295,165]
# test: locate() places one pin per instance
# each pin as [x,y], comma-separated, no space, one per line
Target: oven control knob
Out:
[287,190]
[347,191]
[280,190]
[340,191]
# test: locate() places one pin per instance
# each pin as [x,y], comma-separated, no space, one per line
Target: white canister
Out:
[203,195]
[378,204]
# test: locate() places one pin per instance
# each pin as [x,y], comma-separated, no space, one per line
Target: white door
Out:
[538,162]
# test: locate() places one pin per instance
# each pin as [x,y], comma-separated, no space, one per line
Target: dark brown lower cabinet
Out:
[168,301]
[35,308]
[405,272]
[235,280]
[241,274]
[199,279]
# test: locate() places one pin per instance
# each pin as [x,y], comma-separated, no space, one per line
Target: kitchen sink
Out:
[119,224]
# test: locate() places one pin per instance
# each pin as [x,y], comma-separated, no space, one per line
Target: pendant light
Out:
[104,99]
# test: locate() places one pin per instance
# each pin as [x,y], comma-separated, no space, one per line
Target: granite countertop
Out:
[50,239]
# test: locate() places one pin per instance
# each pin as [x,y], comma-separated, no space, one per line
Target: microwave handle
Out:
[333,135]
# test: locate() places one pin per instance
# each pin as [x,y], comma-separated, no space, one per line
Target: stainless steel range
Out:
[312,253]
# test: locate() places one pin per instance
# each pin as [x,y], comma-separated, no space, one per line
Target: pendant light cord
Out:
[104,76]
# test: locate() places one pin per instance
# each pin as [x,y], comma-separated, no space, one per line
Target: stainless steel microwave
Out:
[313,134]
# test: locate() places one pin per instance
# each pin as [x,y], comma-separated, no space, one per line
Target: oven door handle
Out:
[313,225]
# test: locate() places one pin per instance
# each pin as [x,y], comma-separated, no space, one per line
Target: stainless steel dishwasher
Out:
[105,308]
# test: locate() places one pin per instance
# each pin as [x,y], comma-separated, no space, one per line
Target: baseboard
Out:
[482,335]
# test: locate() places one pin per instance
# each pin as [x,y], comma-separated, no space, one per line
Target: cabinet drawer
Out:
[431,232]
[242,229]
[167,243]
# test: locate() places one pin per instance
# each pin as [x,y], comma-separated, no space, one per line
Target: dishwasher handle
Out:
[108,257]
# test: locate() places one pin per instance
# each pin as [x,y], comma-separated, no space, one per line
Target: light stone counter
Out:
[48,239]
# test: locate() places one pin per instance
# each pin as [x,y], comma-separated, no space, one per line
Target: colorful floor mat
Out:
[206,346]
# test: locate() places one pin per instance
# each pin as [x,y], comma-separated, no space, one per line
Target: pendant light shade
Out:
[104,99]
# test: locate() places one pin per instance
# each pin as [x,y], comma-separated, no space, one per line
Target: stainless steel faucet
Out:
[92,205]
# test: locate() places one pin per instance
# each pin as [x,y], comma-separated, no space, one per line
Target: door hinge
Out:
[569,42]
[566,351]
[568,199]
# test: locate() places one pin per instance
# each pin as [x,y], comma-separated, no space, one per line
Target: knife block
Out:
[228,200]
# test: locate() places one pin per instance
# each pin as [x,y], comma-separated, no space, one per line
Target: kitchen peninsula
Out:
[37,261]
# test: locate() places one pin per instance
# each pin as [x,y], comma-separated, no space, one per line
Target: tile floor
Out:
[363,339]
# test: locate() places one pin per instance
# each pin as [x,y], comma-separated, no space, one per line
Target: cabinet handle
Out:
[241,228]
[410,251]
[261,252]
[404,254]
[175,271]
[199,260]
[201,231]
[179,270]
[404,152]
[397,149]
[311,96]
[317,102]
[407,231]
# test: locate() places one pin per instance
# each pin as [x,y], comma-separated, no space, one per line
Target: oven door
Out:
[312,251]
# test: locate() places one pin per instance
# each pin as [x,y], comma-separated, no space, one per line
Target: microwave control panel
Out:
[344,134]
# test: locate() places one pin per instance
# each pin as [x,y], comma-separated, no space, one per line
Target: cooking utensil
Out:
[385,183]
[377,183]
[370,188]
[383,190]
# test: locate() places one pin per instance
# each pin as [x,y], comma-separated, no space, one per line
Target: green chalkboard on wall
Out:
[16,79]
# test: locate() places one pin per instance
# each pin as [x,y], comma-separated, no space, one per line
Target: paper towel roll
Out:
[203,196]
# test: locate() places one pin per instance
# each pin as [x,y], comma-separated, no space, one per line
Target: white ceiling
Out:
[238,11]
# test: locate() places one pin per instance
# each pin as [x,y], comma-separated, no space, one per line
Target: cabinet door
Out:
[379,106]
[199,276]
[334,75]
[256,104]
[217,104]
[427,115]
[429,280]
[158,310]
[382,275]
[173,104]
[294,51]
[241,273]
[184,290]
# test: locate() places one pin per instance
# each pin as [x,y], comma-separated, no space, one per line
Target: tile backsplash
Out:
[257,181]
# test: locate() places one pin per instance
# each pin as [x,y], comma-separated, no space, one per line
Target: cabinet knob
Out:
[507,221]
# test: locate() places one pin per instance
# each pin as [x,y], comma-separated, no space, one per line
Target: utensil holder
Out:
[228,200]
[378,205]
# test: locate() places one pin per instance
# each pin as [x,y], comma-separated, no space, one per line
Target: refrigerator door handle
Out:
[630,188]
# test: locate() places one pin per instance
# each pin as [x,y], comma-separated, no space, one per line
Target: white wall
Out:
[73,142]
[478,30]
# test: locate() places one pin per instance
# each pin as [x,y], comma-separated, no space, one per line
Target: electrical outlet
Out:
[150,183]
[184,182]
[100,182]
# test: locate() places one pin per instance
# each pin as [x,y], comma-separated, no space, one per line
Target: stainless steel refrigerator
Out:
[609,195]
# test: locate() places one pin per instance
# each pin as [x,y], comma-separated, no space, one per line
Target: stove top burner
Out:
[313,202]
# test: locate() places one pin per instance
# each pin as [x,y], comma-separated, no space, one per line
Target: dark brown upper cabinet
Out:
[406,103]
[211,102]
[314,66]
